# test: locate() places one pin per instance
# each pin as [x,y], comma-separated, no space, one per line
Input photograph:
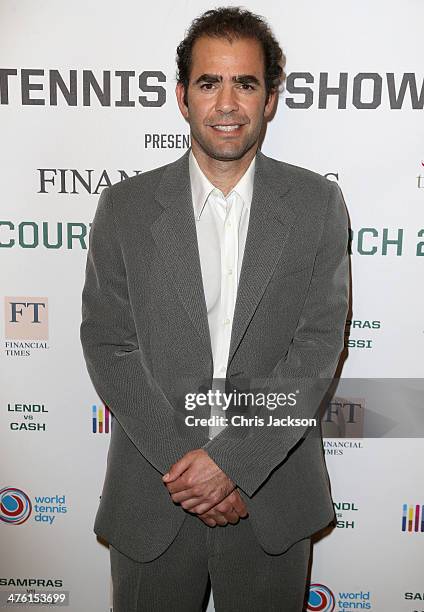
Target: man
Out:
[214,272]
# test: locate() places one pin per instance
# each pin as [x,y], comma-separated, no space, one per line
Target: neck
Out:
[222,174]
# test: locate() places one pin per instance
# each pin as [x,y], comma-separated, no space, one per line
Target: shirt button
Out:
[227,322]
[230,271]
[228,224]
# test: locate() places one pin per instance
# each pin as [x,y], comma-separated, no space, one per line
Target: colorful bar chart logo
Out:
[101,419]
[413,518]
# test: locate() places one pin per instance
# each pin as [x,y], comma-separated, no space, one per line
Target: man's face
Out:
[226,96]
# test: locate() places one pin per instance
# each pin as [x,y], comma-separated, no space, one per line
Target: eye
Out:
[247,86]
[207,86]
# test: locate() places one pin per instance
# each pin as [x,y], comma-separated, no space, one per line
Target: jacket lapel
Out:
[174,232]
[271,218]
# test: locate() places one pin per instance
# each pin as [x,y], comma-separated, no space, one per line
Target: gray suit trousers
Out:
[244,578]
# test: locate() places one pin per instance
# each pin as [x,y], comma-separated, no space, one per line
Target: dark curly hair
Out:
[233,22]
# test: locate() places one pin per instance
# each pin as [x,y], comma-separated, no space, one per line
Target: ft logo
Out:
[26,318]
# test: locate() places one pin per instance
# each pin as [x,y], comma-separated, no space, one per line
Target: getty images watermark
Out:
[220,401]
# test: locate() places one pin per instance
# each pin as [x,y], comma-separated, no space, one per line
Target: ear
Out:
[269,105]
[179,92]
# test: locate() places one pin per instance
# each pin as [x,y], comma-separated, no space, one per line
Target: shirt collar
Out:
[201,187]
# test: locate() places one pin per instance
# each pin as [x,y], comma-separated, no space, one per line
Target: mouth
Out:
[231,129]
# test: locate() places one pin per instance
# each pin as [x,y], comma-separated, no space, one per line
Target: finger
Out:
[223,513]
[213,515]
[210,500]
[208,522]
[204,506]
[177,469]
[232,516]
[180,484]
[239,506]
[228,511]
[189,504]
[219,518]
[183,495]
[237,501]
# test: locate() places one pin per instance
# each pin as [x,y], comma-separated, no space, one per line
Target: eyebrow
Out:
[216,78]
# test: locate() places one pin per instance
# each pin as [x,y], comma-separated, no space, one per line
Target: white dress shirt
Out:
[221,226]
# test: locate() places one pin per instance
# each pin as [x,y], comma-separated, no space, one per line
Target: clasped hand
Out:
[201,487]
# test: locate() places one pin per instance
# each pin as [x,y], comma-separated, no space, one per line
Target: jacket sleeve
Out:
[310,363]
[114,359]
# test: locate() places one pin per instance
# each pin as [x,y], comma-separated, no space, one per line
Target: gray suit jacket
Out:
[146,343]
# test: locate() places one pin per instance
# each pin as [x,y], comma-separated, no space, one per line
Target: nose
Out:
[226,101]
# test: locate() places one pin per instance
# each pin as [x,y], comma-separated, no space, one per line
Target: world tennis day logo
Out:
[15,506]
[321,599]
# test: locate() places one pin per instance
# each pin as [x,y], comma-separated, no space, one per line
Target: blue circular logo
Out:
[321,599]
[15,506]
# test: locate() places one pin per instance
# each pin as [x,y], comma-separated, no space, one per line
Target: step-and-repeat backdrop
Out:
[86,100]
